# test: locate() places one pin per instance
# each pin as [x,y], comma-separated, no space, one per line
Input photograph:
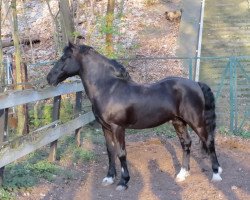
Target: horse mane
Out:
[84,48]
[120,70]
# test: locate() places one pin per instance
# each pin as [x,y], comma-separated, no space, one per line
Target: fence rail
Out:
[49,134]
[15,98]
[33,141]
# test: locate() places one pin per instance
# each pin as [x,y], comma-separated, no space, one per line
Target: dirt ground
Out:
[154,162]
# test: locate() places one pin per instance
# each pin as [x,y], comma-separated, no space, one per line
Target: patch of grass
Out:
[6,195]
[68,151]
[18,176]
[241,133]
[68,175]
[66,111]
[26,174]
[66,146]
[93,134]
[41,114]
[165,129]
[81,155]
[46,170]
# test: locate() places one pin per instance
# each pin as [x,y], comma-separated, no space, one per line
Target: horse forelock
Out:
[67,50]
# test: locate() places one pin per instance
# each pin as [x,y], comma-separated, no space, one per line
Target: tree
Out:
[56,28]
[67,24]
[21,110]
[63,24]
[2,112]
[1,51]
[109,27]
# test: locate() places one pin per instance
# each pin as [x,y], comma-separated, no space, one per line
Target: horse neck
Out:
[94,79]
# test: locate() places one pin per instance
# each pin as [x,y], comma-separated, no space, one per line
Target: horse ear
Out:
[71,45]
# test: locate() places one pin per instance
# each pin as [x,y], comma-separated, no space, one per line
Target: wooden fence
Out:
[12,150]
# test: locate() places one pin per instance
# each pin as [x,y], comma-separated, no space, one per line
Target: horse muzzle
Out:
[51,80]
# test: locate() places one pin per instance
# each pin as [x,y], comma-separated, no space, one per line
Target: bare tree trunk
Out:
[66,20]
[7,10]
[56,28]
[2,112]
[121,9]
[29,36]
[1,51]
[109,27]
[21,110]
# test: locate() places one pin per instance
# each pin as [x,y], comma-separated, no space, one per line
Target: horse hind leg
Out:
[111,150]
[181,130]
[217,170]
[121,153]
[208,146]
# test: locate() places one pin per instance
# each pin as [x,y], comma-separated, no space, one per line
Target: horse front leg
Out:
[119,133]
[181,130]
[111,150]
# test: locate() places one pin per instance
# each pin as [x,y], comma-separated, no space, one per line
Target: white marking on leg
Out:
[107,181]
[220,170]
[216,177]
[122,170]
[181,176]
[121,188]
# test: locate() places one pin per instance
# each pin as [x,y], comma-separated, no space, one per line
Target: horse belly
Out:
[152,119]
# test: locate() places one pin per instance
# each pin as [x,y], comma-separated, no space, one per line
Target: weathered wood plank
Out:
[2,120]
[40,139]
[55,117]
[26,96]
[78,108]
[1,175]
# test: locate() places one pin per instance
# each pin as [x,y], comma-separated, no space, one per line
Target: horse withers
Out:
[119,103]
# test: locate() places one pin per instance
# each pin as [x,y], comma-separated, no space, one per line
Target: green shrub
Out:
[80,155]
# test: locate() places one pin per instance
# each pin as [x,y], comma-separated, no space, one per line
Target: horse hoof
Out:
[182,175]
[216,177]
[107,181]
[121,187]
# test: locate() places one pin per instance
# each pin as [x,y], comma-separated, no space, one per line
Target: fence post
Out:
[190,65]
[3,133]
[55,116]
[1,176]
[78,108]
[232,101]
[235,96]
[2,120]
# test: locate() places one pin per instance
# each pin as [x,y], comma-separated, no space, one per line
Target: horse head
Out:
[68,65]
[76,58]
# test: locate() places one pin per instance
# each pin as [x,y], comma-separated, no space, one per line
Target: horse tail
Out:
[209,114]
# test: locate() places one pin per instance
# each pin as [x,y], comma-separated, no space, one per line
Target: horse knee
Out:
[121,153]
[186,144]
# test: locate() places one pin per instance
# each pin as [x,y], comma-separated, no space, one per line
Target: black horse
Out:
[119,103]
